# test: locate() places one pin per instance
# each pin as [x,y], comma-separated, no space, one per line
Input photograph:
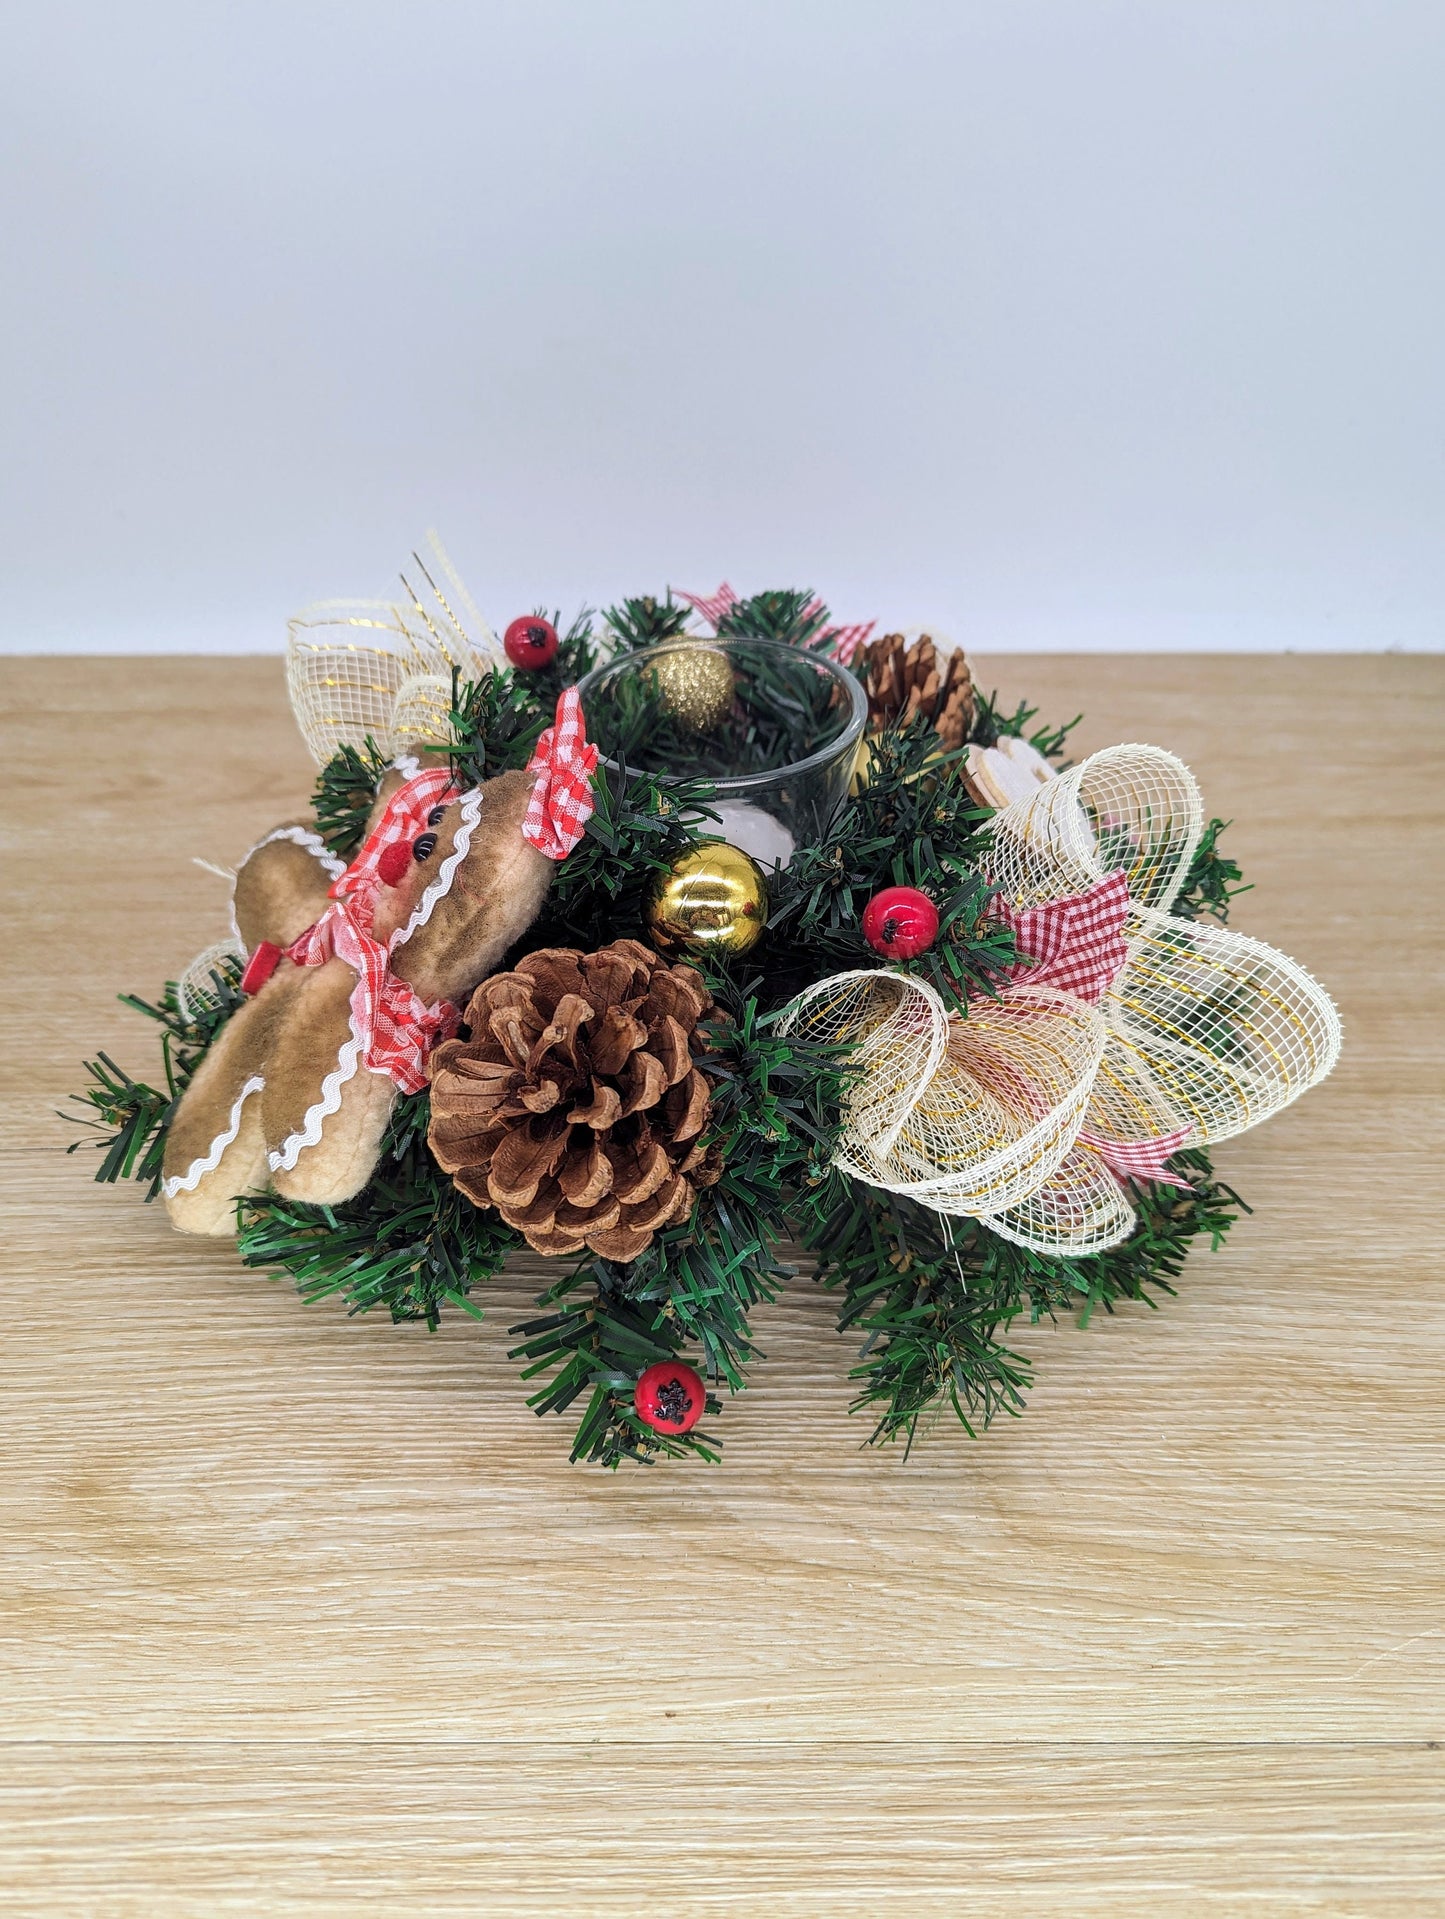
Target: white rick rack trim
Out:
[442,884]
[408,765]
[312,842]
[188,1181]
[309,1134]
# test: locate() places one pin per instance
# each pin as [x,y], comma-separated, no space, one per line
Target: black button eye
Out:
[424,846]
[434,818]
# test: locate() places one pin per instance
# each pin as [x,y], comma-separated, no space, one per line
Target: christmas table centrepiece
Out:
[656,942]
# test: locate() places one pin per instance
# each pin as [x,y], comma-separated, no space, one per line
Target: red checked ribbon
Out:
[396,1029]
[841,641]
[561,802]
[1079,946]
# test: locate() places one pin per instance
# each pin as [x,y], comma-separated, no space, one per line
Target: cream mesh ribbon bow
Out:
[359,669]
[1137,1032]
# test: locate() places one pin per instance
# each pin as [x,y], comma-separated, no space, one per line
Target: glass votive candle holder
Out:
[772,728]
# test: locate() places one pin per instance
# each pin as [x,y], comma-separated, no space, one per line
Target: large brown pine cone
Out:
[575,1107]
[908,677]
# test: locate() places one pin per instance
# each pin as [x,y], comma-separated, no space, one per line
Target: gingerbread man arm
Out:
[282,885]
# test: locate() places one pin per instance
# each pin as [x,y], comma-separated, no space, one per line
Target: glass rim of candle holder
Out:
[727,785]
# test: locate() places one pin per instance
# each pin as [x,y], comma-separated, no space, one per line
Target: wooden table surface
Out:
[305,1614]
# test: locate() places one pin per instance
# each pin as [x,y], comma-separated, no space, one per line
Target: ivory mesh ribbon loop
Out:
[1034,1111]
[964,1115]
[196,988]
[382,670]
[1129,809]
[1227,1029]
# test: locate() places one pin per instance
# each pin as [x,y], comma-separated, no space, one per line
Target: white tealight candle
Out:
[754,832]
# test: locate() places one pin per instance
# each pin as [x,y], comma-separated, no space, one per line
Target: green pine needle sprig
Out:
[495,722]
[1213,880]
[991,723]
[640,824]
[409,1242]
[133,1117]
[774,1122]
[791,615]
[646,621]
[933,1296]
[344,795]
[913,824]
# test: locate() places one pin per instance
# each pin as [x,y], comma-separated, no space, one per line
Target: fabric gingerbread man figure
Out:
[355,972]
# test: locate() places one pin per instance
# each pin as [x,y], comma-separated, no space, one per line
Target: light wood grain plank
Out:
[802,1832]
[224,1517]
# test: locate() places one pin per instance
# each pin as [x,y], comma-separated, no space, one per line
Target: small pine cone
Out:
[575,1108]
[908,677]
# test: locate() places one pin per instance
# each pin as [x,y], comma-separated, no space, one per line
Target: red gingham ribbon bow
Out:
[1076,944]
[1079,945]
[842,642]
[561,802]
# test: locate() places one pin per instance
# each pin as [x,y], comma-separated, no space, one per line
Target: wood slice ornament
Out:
[1008,772]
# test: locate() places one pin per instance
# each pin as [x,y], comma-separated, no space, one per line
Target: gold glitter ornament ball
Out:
[696,683]
[712,898]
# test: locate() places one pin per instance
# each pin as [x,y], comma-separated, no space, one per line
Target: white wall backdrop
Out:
[1062,323]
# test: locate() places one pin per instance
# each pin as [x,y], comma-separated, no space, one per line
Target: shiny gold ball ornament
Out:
[696,683]
[712,898]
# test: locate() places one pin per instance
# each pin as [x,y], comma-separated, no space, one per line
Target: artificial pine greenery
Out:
[576,655]
[932,1295]
[344,795]
[791,615]
[774,1120]
[931,1298]
[495,725]
[640,824]
[645,621]
[991,723]
[913,824]
[1212,881]
[409,1242]
[133,1116]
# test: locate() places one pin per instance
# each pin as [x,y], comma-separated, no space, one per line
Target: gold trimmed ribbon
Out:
[382,670]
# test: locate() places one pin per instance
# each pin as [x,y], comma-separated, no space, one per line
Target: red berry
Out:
[900,922]
[530,641]
[670,1397]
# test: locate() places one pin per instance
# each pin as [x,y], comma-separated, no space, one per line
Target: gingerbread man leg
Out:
[323,1111]
[216,1146]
